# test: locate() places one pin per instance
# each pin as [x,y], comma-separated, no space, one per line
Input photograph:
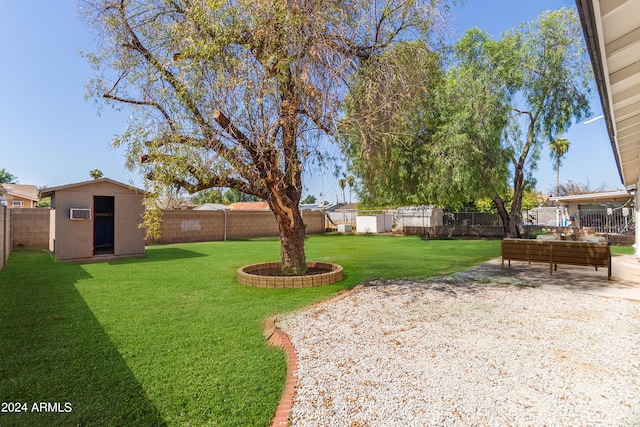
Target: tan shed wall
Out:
[52,226]
[129,236]
[73,239]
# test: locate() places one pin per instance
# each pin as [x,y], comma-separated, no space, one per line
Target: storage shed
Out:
[95,220]
[419,216]
[381,223]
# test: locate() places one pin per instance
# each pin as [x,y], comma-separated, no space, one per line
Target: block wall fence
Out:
[29,229]
[5,235]
[181,226]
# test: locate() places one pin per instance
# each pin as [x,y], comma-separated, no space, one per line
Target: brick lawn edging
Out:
[333,275]
[277,338]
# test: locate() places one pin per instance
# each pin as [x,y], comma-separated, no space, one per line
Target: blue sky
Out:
[50,135]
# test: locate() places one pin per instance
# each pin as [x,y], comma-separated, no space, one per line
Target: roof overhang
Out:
[617,196]
[612,33]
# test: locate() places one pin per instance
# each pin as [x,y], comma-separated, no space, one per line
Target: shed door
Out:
[103,225]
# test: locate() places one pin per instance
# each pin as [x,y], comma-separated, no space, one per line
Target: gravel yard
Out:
[456,352]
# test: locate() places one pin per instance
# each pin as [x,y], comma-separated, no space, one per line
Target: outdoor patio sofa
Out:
[556,252]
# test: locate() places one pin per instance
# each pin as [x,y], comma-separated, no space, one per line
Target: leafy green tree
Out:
[238,94]
[310,199]
[530,199]
[234,196]
[215,195]
[414,134]
[44,203]
[211,195]
[545,80]
[7,178]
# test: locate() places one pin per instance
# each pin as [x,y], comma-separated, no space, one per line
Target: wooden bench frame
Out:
[557,252]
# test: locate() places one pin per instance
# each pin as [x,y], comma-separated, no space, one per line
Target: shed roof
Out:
[47,192]
[347,207]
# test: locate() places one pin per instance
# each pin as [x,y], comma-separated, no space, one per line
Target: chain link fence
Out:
[618,220]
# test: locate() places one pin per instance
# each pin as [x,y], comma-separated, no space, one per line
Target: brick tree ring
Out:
[327,274]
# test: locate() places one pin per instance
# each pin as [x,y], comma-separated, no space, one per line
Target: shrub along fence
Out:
[493,232]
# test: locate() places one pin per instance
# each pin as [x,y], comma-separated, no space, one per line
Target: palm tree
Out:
[96,174]
[7,178]
[343,183]
[558,148]
[350,181]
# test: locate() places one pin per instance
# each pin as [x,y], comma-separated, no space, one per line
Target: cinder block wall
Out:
[179,226]
[245,224]
[202,226]
[30,228]
[314,221]
[5,235]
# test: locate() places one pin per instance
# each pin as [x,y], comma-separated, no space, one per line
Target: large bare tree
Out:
[239,94]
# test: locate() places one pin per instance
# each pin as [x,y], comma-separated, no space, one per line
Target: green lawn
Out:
[624,250]
[173,339]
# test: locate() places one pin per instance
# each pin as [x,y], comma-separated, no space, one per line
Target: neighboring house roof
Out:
[600,197]
[348,207]
[308,206]
[543,198]
[318,206]
[47,192]
[249,206]
[211,207]
[612,32]
[29,192]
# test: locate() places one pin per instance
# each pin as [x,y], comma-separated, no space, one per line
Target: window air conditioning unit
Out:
[76,213]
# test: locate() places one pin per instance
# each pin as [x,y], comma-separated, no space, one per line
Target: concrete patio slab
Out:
[624,283]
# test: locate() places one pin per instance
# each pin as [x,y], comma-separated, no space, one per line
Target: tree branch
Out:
[179,88]
[136,102]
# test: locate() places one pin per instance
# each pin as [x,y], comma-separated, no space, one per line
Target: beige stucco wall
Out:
[73,239]
[30,228]
[26,203]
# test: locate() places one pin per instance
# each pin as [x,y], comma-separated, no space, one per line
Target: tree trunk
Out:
[292,234]
[511,220]
[516,205]
[502,212]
